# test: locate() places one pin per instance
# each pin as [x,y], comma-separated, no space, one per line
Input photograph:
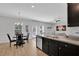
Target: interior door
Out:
[34,31]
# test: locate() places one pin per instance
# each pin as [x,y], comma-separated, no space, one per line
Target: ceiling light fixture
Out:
[19,22]
[33,6]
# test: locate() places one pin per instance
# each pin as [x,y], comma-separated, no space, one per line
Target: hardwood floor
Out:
[29,49]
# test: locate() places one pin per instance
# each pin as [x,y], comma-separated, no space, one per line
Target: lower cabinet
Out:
[66,49]
[58,48]
[53,48]
[45,44]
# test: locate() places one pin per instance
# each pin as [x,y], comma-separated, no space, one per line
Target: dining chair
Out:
[10,39]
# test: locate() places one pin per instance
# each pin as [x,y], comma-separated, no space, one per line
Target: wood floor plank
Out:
[29,49]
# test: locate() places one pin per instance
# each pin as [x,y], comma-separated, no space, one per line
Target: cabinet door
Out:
[45,45]
[77,51]
[53,48]
[66,49]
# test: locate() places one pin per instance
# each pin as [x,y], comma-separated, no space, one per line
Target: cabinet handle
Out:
[56,45]
[66,45]
[59,48]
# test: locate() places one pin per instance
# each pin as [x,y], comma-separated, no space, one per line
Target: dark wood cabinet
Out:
[45,44]
[66,49]
[59,48]
[53,48]
[73,14]
[77,50]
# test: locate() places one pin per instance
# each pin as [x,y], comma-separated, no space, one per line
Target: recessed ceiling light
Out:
[33,6]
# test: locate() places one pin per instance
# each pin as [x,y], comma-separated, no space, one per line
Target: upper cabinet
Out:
[73,14]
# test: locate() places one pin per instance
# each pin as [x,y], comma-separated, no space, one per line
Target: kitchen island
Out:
[57,45]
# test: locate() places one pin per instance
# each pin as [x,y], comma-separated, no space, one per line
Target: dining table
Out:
[19,40]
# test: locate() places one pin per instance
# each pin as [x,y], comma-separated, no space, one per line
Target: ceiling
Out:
[45,12]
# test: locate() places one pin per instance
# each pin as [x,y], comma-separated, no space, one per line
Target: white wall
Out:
[63,20]
[7,26]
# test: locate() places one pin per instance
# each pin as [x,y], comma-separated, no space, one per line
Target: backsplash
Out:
[77,32]
[73,31]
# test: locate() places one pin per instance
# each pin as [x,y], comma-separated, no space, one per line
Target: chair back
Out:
[9,37]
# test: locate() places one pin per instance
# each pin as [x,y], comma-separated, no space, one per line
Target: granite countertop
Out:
[62,39]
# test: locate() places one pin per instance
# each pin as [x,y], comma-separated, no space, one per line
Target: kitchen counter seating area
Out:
[57,45]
